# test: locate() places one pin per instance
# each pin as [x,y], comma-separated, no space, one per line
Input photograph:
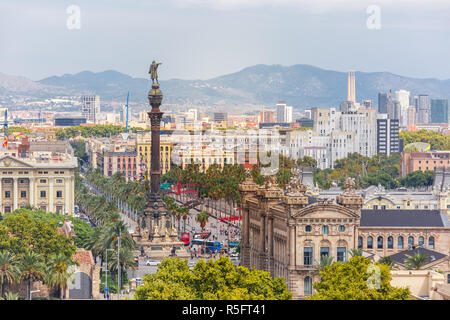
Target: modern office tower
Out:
[440,111]
[423,109]
[90,108]
[391,111]
[284,113]
[351,93]
[367,103]
[403,97]
[220,117]
[387,136]
[123,114]
[289,111]
[411,116]
[325,120]
[364,126]
[382,102]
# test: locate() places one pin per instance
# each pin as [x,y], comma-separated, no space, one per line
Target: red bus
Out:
[185,238]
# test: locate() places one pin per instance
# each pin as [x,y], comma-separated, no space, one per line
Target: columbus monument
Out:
[155,234]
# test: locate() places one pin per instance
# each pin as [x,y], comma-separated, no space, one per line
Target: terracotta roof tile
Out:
[83,256]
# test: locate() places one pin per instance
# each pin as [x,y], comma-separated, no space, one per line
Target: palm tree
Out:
[126,258]
[10,296]
[184,213]
[30,266]
[356,252]
[325,260]
[202,218]
[417,261]
[61,274]
[47,276]
[388,261]
[9,270]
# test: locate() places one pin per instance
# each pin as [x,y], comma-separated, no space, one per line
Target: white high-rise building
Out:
[351,91]
[284,113]
[90,108]
[289,111]
[402,96]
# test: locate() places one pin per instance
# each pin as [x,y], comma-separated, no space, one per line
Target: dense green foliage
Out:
[351,280]
[215,183]
[87,131]
[437,140]
[212,280]
[32,249]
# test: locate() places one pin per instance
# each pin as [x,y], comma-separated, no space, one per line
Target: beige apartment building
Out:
[42,181]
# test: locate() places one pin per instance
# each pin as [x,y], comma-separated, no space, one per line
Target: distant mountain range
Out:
[298,85]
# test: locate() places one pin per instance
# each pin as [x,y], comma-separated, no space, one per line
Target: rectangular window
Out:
[23,194]
[43,181]
[324,251]
[7,209]
[59,194]
[341,254]
[59,181]
[59,209]
[7,194]
[43,194]
[308,256]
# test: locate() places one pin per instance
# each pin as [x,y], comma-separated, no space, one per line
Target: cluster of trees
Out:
[130,192]
[212,280]
[357,279]
[182,212]
[437,140]
[32,249]
[214,183]
[109,227]
[104,130]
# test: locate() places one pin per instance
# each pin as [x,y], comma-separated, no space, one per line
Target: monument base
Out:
[161,248]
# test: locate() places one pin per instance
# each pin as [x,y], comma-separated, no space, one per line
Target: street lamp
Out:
[106,280]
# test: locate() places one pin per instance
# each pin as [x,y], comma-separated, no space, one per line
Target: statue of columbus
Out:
[154,71]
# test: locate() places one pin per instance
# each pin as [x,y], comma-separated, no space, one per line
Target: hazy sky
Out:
[200,39]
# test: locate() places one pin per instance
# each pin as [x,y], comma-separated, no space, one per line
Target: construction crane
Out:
[126,124]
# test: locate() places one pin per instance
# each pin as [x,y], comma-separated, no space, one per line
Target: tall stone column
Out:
[67,195]
[292,259]
[155,98]
[31,191]
[15,197]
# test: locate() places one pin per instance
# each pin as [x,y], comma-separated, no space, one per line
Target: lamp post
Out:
[106,280]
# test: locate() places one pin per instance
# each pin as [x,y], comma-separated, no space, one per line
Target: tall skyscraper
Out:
[351,93]
[423,109]
[411,116]
[382,102]
[284,113]
[402,96]
[90,108]
[391,107]
[123,114]
[440,111]
[387,136]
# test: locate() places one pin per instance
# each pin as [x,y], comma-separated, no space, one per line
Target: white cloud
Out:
[314,6]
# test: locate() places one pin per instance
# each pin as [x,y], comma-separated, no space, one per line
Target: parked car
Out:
[152,263]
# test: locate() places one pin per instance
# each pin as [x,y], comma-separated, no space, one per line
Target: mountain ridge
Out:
[299,85]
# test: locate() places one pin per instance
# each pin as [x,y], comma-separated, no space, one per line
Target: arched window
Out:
[360,242]
[410,241]
[390,243]
[369,243]
[421,241]
[324,229]
[380,242]
[307,284]
[308,228]
[400,242]
[431,242]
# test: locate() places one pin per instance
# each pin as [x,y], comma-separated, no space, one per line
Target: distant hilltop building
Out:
[90,108]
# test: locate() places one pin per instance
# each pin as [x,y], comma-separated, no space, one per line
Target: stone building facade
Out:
[286,231]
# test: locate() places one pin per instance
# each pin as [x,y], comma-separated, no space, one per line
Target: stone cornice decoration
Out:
[248,185]
[295,187]
[349,198]
[271,189]
[325,206]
